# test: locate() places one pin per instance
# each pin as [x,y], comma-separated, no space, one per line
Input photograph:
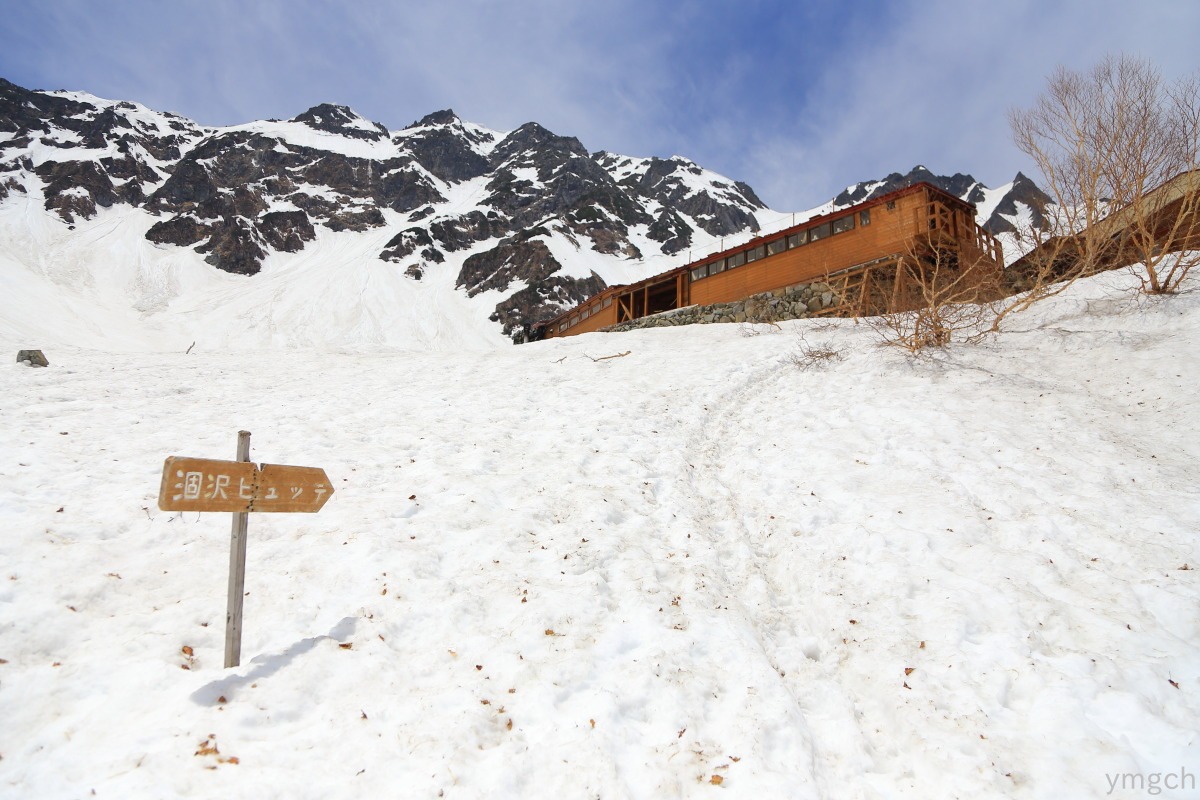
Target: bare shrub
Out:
[942,300]
[808,355]
[749,329]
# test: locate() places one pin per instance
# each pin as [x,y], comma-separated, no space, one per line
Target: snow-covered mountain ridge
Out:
[445,233]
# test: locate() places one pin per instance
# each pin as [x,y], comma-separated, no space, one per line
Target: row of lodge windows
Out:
[575,319]
[775,246]
[749,256]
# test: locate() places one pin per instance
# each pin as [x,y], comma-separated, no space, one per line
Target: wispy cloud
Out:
[797,99]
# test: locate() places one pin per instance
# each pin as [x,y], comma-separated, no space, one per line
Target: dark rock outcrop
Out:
[545,300]
[32,358]
[405,243]
[464,232]
[670,229]
[1024,192]
[342,121]
[520,257]
[286,231]
[441,144]
[183,231]
[234,246]
[75,188]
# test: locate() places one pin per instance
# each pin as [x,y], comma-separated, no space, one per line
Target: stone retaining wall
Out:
[792,302]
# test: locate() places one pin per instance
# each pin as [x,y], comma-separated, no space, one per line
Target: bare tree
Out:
[940,296]
[1117,148]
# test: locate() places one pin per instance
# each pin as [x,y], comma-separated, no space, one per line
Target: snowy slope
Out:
[504,228]
[103,286]
[692,569]
[100,283]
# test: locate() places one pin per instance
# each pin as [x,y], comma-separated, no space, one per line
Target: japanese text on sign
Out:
[198,484]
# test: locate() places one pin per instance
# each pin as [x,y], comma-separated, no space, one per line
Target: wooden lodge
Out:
[867,253]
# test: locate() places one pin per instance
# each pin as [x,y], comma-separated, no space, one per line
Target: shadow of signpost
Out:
[267,665]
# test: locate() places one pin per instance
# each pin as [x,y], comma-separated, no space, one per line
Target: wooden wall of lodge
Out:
[601,318]
[892,227]
[887,233]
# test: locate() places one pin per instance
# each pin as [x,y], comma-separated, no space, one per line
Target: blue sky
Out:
[797,98]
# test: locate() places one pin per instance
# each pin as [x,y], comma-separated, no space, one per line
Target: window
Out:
[737,259]
[891,205]
[819,232]
[797,239]
[717,266]
[755,253]
[864,218]
[844,224]
[595,309]
[700,272]
[777,246]
[562,327]
[607,302]
[574,320]
[584,314]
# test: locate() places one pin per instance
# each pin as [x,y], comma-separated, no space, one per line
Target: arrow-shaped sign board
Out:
[241,487]
[204,484]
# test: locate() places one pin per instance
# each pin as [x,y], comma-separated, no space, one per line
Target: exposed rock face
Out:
[1023,192]
[463,232]
[286,231]
[670,229]
[342,121]
[240,176]
[517,258]
[668,182]
[405,243]
[558,291]
[234,245]
[134,141]
[442,144]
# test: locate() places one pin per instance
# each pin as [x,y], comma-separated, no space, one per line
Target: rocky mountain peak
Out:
[1023,192]
[443,117]
[532,137]
[343,121]
[959,185]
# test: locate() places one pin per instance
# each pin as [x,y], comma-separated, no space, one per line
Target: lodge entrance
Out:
[653,297]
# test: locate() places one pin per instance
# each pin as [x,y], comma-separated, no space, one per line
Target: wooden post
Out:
[237,571]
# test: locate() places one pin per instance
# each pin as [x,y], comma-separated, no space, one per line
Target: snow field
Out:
[547,576]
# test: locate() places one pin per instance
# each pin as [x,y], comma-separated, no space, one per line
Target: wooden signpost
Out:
[240,487]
